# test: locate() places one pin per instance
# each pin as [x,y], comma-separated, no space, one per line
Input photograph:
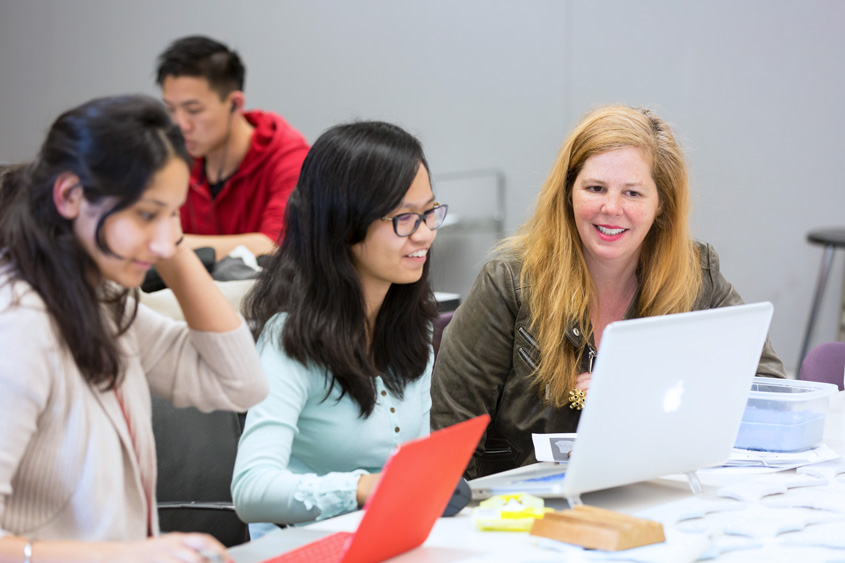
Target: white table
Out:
[456,539]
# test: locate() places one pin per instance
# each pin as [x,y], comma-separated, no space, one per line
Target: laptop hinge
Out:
[694,483]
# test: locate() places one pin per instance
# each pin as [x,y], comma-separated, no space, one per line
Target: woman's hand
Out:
[170,548]
[366,486]
[183,261]
[203,305]
[582,382]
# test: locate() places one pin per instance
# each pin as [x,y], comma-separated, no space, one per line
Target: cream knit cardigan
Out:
[68,467]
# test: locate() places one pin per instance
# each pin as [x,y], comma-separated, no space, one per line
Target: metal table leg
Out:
[824,272]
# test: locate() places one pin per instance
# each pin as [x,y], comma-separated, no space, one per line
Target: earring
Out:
[576,399]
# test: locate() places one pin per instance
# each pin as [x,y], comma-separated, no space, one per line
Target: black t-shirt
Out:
[216,187]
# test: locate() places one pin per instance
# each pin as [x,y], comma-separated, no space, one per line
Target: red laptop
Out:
[421,474]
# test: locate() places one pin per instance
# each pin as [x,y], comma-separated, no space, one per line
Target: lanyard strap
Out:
[138,460]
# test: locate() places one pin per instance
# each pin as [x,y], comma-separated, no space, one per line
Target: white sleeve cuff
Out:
[332,494]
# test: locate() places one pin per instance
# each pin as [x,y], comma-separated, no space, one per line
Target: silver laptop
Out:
[667,396]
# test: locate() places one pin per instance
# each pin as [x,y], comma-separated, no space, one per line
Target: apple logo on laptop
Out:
[672,398]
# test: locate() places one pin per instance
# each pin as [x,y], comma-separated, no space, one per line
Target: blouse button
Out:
[383,393]
[392,409]
[396,429]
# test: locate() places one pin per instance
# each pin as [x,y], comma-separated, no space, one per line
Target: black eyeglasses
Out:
[406,224]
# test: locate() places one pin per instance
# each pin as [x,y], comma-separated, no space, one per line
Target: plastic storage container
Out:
[784,415]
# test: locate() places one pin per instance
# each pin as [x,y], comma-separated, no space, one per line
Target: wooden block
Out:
[597,528]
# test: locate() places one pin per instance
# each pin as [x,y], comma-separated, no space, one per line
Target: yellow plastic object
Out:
[509,513]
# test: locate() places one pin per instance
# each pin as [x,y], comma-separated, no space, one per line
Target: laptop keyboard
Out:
[545,479]
[325,550]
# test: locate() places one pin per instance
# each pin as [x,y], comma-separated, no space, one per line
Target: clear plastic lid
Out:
[770,388]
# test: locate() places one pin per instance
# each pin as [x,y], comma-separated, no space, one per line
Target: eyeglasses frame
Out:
[420,219]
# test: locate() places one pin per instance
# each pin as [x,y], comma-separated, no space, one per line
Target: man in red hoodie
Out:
[246,162]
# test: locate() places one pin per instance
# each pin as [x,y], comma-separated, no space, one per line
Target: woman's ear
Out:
[67,195]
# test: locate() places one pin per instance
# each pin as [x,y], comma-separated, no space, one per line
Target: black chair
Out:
[196,456]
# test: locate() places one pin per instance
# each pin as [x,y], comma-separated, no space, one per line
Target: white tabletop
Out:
[456,539]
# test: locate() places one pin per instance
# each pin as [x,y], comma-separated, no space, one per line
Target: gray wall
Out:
[754,89]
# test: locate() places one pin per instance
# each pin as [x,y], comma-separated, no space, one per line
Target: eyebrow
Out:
[186,103]
[153,201]
[411,205]
[603,182]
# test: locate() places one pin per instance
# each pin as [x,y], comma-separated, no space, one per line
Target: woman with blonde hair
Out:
[609,240]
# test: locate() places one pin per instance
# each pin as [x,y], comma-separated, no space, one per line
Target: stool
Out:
[831,239]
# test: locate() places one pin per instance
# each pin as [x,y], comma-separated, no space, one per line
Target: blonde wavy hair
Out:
[561,289]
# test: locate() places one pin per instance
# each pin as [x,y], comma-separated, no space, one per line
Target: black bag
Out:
[153,282]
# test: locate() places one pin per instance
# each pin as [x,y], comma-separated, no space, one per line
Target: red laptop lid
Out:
[415,486]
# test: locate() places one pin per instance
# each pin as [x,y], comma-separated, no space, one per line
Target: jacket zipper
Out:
[527,336]
[523,353]
[527,358]
[498,451]
[591,358]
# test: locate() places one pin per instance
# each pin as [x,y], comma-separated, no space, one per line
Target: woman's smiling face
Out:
[614,201]
[383,257]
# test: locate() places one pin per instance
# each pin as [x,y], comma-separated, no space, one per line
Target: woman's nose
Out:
[165,237]
[424,233]
[612,205]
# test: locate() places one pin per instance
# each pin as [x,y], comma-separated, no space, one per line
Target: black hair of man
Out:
[202,57]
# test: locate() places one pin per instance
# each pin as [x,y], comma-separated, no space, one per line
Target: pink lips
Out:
[419,259]
[609,238]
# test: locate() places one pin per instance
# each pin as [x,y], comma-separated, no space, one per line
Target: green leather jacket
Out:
[488,353]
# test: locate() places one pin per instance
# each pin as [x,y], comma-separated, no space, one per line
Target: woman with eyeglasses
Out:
[343,314]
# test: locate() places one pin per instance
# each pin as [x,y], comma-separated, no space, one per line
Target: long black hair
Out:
[353,175]
[114,146]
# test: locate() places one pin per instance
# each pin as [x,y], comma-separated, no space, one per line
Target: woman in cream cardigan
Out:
[79,228]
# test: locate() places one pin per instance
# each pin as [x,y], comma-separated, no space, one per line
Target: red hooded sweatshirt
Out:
[254,198]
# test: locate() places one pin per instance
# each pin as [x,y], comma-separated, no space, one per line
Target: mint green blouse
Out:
[301,454]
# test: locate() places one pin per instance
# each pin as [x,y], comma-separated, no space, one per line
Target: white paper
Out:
[553,447]
[751,461]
